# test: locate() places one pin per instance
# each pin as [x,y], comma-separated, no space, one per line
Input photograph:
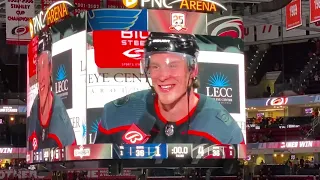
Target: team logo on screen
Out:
[135,136]
[277,101]
[62,81]
[35,143]
[225,26]
[220,88]
[178,21]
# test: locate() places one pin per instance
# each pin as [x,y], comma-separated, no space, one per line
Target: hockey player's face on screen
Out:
[44,73]
[169,75]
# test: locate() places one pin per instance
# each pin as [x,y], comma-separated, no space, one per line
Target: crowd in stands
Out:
[267,129]
[294,60]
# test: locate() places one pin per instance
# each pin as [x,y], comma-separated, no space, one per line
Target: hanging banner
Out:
[17,21]
[314,11]
[46,3]
[293,15]
[84,5]
[115,4]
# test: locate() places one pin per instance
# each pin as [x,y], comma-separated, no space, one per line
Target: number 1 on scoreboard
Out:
[157,153]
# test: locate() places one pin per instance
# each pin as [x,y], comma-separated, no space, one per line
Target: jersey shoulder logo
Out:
[225,117]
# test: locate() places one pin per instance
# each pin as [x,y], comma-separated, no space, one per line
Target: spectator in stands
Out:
[277,67]
[268,92]
[316,77]
[301,162]
[255,82]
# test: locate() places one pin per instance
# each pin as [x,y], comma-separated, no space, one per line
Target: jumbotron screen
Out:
[118,94]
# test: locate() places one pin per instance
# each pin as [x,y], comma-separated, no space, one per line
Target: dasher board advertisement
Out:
[135,106]
[56,115]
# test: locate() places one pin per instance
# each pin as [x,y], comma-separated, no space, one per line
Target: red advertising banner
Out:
[32,55]
[115,4]
[89,152]
[314,11]
[83,5]
[46,3]
[118,49]
[293,15]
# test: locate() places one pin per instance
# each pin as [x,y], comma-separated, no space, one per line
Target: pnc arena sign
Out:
[207,6]
[54,13]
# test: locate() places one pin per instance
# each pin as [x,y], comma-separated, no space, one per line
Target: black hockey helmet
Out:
[184,44]
[44,41]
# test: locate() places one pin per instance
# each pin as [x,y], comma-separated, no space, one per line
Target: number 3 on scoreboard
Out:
[201,151]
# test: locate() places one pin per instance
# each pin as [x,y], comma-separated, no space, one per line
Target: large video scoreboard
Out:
[130,151]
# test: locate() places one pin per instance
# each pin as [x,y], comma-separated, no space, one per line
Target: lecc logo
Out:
[219,88]
[62,82]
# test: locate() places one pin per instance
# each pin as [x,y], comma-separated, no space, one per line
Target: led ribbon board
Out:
[54,13]
[206,6]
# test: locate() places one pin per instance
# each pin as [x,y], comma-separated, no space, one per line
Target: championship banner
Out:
[84,5]
[115,4]
[314,11]
[293,15]
[46,3]
[17,21]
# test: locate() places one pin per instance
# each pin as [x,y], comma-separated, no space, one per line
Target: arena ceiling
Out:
[239,7]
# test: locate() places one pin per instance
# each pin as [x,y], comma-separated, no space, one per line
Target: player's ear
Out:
[194,71]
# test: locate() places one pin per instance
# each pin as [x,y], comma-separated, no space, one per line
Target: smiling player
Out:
[48,124]
[171,112]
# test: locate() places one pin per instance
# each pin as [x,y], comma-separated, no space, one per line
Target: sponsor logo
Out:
[81,152]
[9,109]
[296,144]
[6,150]
[53,14]
[61,86]
[20,30]
[134,53]
[219,88]
[135,136]
[130,3]
[135,39]
[190,5]
[62,82]
[277,101]
[127,48]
